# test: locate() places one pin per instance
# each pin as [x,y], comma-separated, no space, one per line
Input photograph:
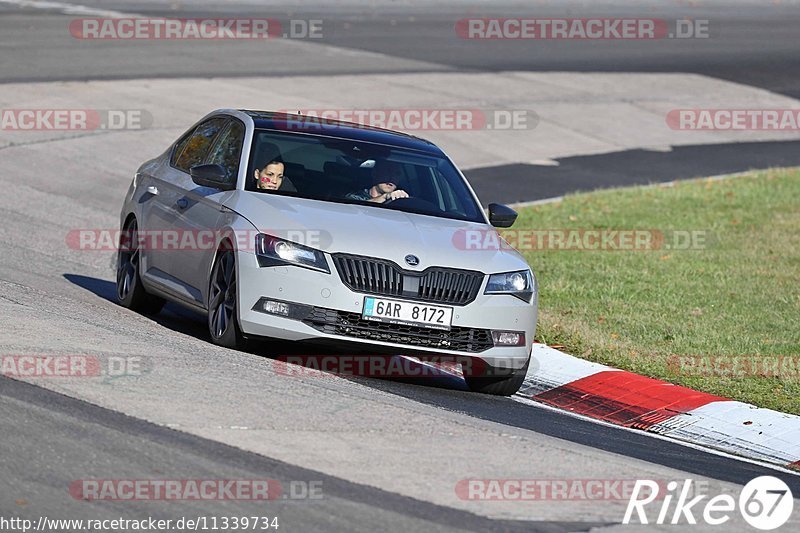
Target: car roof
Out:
[294,123]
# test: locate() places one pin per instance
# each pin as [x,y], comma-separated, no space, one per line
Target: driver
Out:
[386,175]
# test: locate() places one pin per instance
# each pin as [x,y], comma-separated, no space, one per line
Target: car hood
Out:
[378,232]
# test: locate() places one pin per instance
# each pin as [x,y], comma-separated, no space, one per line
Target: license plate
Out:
[412,313]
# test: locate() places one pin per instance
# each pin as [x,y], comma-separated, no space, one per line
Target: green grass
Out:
[639,310]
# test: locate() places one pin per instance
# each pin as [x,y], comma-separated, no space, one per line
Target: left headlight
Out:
[519,284]
[272,251]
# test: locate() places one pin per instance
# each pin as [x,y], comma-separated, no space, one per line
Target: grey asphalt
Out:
[84,441]
[753,42]
[450,394]
[750,43]
[52,439]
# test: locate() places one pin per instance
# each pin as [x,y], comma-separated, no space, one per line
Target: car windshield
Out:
[341,170]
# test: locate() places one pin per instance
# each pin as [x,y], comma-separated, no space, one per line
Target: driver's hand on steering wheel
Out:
[394,195]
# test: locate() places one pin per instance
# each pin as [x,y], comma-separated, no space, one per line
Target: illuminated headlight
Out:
[519,284]
[272,251]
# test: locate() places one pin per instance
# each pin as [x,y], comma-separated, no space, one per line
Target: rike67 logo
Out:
[765,503]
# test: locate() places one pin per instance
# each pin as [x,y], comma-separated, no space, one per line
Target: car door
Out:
[203,210]
[164,213]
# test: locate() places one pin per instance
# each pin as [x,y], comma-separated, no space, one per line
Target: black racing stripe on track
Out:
[525,182]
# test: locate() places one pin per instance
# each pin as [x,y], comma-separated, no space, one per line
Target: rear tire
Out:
[130,291]
[498,386]
[223,316]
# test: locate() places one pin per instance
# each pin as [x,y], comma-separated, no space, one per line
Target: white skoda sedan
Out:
[281,226]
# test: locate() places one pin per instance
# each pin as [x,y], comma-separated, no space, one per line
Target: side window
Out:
[228,149]
[193,149]
[179,147]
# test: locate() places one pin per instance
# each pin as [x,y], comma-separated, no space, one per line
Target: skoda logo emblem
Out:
[412,260]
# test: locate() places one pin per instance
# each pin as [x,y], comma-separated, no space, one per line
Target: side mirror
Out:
[501,216]
[214,176]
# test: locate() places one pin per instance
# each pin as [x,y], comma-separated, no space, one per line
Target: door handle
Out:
[182,203]
[152,189]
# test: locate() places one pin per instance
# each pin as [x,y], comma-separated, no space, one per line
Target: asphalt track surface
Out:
[750,43]
[388,454]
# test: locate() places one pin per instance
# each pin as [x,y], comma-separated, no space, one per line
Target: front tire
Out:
[498,386]
[130,291]
[223,317]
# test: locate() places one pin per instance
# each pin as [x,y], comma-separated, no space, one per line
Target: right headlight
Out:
[271,251]
[519,284]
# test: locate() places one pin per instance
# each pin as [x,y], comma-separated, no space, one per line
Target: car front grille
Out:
[385,278]
[348,324]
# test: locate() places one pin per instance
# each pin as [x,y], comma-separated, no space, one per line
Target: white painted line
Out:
[687,444]
[695,430]
[559,368]
[744,428]
[731,427]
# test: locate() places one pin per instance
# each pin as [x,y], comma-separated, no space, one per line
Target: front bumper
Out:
[330,311]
